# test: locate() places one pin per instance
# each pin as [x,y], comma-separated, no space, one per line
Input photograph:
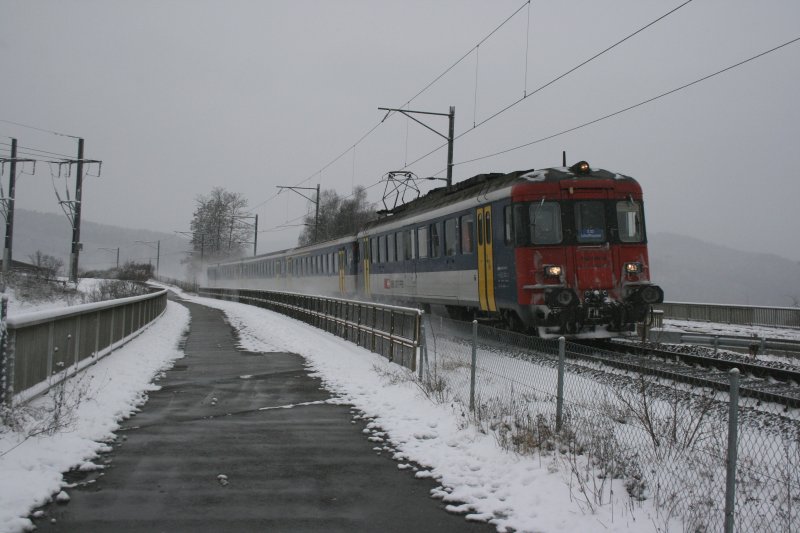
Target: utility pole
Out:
[255,238]
[76,216]
[74,207]
[8,203]
[316,202]
[449,137]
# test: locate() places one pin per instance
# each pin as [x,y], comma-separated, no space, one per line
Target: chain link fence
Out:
[664,442]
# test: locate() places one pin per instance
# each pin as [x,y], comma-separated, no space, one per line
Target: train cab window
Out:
[450,236]
[436,243]
[629,221]
[590,222]
[467,227]
[422,242]
[545,220]
[390,246]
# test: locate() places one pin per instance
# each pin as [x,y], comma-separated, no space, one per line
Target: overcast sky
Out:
[177,97]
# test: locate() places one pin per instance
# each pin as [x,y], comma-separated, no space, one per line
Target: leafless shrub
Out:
[55,412]
[33,289]
[113,289]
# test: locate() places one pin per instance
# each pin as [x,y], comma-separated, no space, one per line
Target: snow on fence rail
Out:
[782,317]
[388,330]
[39,350]
[707,460]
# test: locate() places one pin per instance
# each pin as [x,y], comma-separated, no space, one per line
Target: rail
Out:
[40,350]
[388,330]
[781,317]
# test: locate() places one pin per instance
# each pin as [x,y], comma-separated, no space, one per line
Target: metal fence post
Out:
[562,349]
[716,344]
[730,478]
[472,367]
[5,398]
[423,346]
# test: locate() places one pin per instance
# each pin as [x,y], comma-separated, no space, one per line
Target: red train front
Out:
[580,252]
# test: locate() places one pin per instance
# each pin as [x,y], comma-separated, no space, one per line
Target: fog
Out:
[177,97]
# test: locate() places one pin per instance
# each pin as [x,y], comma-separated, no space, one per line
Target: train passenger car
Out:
[555,251]
[327,268]
[558,251]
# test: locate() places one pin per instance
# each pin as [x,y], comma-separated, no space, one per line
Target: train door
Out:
[485,259]
[367,258]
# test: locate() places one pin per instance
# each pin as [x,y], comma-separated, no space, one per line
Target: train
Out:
[558,251]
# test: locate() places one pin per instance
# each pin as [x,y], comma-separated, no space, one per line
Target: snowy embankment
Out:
[67,427]
[477,476]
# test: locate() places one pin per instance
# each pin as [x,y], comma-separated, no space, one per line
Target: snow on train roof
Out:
[562,173]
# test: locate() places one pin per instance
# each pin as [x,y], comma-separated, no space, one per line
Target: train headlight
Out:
[581,169]
[633,268]
[552,271]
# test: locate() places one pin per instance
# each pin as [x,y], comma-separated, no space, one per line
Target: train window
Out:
[545,220]
[508,224]
[436,243]
[382,249]
[629,221]
[422,241]
[408,245]
[590,221]
[400,243]
[374,252]
[390,248]
[488,217]
[467,226]
[450,236]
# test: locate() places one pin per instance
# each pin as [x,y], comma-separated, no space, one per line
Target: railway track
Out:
[778,384]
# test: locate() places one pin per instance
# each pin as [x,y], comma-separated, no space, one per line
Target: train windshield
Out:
[545,220]
[629,221]
[590,222]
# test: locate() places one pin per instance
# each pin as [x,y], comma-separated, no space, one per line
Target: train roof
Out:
[483,184]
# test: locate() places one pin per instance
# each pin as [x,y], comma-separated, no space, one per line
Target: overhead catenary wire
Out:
[417,95]
[634,106]
[27,150]
[551,82]
[22,125]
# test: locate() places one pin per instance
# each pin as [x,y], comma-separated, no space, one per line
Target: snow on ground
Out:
[524,493]
[109,391]
[19,307]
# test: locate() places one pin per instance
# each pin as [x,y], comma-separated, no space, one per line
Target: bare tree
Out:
[218,230]
[47,266]
[338,216]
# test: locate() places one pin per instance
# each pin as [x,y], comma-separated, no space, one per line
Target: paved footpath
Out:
[302,469]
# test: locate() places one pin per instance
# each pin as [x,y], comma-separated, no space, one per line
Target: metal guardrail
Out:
[753,345]
[39,350]
[388,330]
[781,317]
